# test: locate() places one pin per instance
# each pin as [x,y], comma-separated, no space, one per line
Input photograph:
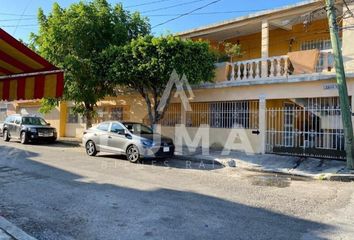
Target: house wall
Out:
[242,139]
[279,40]
[300,89]
[134,109]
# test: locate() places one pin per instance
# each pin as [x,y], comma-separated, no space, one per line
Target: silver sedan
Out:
[135,140]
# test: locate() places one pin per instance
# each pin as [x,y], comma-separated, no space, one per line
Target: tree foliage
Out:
[232,50]
[146,63]
[74,38]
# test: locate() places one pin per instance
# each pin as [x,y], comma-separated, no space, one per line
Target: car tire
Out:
[133,154]
[6,135]
[91,148]
[24,138]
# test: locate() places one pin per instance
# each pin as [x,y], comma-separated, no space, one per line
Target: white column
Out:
[265,47]
[348,36]
[262,122]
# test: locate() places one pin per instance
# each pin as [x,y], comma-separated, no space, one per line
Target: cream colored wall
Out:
[299,89]
[348,36]
[137,107]
[134,110]
[219,136]
[74,130]
[279,40]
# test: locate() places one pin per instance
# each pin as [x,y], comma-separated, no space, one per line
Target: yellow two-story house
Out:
[280,92]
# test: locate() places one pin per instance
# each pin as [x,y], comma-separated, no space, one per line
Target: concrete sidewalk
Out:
[9,231]
[323,169]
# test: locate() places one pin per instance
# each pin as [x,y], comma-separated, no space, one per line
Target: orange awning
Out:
[25,75]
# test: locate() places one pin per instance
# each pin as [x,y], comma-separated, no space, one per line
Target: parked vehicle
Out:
[132,139]
[28,128]
[1,127]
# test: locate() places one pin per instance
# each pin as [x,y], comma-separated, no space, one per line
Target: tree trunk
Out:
[88,121]
[88,115]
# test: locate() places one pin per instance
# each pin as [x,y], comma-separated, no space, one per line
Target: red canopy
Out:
[24,74]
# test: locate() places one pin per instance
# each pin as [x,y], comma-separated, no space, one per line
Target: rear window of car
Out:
[103,127]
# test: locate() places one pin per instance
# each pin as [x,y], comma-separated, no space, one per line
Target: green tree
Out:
[232,50]
[73,39]
[146,64]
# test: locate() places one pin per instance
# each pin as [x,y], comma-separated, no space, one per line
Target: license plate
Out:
[166,149]
[45,134]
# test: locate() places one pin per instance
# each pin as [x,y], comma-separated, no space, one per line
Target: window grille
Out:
[221,114]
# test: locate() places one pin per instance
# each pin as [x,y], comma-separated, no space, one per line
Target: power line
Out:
[187,13]
[148,3]
[205,13]
[15,14]
[16,19]
[348,9]
[24,11]
[172,6]
[24,25]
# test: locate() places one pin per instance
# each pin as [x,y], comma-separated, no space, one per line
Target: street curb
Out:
[14,231]
[69,143]
[233,163]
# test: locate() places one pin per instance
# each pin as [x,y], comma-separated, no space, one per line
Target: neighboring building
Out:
[281,92]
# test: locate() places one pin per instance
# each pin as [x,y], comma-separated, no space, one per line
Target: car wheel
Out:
[91,148]
[133,154]
[6,136]
[24,138]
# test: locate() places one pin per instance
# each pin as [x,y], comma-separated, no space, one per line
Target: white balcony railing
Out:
[272,67]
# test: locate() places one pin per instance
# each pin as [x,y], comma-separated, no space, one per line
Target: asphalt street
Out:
[57,192]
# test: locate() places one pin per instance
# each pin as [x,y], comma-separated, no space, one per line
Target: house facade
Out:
[280,93]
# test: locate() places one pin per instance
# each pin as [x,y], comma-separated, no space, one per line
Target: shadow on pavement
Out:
[168,162]
[51,203]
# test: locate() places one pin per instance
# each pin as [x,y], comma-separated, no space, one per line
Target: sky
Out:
[18,17]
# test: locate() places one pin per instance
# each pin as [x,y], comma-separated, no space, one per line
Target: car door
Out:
[10,126]
[117,139]
[17,127]
[7,124]
[101,137]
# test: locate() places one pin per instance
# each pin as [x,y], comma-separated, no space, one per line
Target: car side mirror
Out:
[48,124]
[120,131]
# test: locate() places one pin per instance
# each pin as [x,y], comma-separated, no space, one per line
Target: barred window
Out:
[223,114]
[72,116]
[235,114]
[117,114]
[316,44]
[3,112]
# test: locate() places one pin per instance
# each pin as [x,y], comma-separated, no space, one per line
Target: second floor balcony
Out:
[291,42]
[304,62]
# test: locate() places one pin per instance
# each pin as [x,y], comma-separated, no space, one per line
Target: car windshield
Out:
[138,128]
[34,121]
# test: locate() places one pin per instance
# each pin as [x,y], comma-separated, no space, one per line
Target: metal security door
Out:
[301,131]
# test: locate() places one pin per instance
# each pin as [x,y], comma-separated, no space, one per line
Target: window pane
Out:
[116,128]
[72,117]
[117,114]
[103,127]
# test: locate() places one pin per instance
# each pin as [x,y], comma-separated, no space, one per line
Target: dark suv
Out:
[28,128]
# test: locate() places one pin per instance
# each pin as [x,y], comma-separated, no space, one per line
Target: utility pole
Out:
[342,84]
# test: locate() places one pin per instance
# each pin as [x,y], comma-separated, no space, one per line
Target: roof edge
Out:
[246,17]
